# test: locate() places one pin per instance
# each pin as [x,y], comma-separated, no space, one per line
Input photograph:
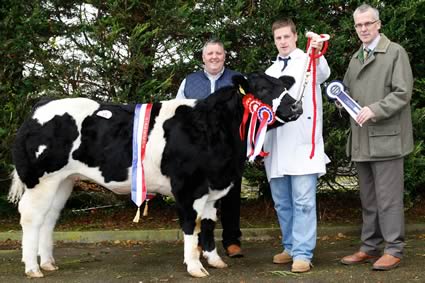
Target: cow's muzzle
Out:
[289,109]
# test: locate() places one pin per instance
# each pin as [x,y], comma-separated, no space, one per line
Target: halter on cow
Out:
[194,153]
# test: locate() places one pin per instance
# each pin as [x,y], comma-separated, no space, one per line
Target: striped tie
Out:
[366,53]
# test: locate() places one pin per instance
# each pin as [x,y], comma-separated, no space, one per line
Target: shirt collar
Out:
[373,44]
[282,57]
[214,77]
[289,55]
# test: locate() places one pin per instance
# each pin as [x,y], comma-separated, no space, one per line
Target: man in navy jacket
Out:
[199,85]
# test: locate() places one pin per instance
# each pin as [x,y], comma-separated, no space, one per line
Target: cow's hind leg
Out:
[45,244]
[206,237]
[191,224]
[33,207]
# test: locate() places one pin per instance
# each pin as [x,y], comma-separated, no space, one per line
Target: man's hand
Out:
[318,45]
[364,115]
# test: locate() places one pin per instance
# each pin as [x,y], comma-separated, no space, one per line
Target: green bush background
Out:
[163,41]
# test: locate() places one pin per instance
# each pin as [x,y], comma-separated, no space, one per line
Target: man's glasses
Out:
[366,25]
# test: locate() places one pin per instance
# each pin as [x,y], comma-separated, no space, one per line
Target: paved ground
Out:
[161,261]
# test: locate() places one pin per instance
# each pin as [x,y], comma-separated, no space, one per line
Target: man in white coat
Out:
[295,163]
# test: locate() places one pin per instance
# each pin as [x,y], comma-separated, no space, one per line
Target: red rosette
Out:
[247,100]
[265,112]
[253,105]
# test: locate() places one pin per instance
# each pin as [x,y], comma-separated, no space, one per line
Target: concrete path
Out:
[127,258]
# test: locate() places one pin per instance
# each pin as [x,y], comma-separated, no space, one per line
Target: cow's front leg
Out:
[191,256]
[191,225]
[206,237]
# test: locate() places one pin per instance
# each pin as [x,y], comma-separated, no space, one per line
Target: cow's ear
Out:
[287,81]
[241,82]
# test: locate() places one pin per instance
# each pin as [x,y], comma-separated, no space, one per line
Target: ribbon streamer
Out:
[140,135]
[256,135]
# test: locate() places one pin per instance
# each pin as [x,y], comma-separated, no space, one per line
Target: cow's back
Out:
[106,143]
[44,141]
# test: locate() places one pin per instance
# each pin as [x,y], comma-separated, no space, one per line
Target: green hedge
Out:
[164,39]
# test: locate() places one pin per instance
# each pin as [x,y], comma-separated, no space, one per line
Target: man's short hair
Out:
[213,41]
[284,23]
[364,8]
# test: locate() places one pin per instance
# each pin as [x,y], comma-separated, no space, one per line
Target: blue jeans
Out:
[294,199]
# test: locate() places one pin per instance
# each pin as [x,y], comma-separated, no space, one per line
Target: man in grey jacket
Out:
[380,79]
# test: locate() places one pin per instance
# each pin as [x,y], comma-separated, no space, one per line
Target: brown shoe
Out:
[282,258]
[386,262]
[300,266]
[234,251]
[358,257]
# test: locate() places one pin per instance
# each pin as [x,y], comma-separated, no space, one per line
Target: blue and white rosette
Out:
[336,91]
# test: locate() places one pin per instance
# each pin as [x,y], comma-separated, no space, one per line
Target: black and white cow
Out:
[194,153]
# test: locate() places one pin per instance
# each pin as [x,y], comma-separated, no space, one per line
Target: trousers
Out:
[294,199]
[230,207]
[381,195]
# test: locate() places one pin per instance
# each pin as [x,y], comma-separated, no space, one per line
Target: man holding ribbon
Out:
[199,85]
[296,150]
[380,79]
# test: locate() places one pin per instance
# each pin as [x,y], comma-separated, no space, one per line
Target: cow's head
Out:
[267,89]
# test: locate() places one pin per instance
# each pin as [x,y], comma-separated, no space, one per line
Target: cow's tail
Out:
[16,189]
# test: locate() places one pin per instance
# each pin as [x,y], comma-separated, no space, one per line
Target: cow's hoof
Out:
[49,266]
[217,263]
[214,259]
[34,274]
[199,273]
[197,270]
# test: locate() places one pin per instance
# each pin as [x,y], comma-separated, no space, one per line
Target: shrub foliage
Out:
[128,51]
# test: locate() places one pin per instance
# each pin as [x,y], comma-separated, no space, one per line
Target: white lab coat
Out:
[290,145]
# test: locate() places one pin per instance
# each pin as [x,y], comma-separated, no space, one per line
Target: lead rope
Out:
[312,65]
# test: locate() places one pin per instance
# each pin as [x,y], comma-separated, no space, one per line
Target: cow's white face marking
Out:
[40,150]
